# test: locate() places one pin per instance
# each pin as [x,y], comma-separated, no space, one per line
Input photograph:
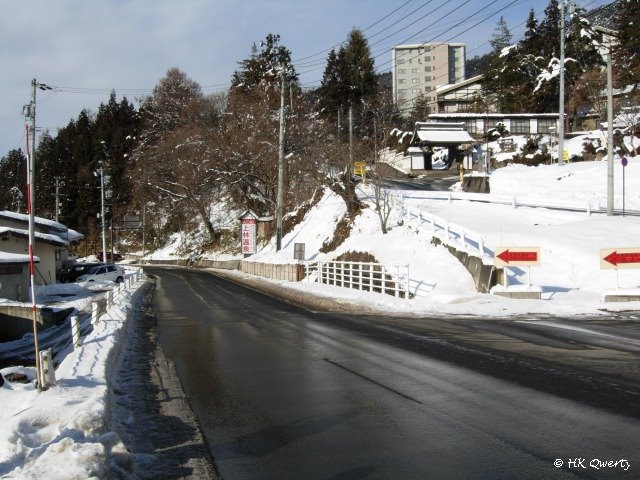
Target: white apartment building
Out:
[421,68]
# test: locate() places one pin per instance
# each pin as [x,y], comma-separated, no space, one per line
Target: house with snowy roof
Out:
[427,135]
[51,248]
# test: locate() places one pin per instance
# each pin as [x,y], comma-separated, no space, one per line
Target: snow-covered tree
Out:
[173,157]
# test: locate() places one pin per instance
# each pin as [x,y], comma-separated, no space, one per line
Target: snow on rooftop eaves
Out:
[43,237]
[21,217]
[6,257]
[440,137]
[493,115]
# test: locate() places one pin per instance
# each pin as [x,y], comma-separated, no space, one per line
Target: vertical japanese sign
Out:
[248,235]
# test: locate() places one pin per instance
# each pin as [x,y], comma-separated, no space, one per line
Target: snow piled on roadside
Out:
[60,433]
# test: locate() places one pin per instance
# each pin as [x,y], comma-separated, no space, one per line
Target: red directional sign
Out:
[517,256]
[613,258]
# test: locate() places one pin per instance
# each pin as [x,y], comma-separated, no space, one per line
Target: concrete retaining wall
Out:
[16,320]
[484,276]
[287,272]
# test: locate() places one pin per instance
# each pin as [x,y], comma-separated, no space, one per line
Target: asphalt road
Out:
[280,392]
[431,184]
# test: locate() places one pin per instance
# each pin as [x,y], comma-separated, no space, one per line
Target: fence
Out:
[81,325]
[371,277]
[589,206]
[451,233]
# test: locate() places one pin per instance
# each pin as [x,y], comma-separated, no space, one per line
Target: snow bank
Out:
[60,433]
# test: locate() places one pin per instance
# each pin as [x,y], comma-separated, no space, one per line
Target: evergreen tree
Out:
[13,176]
[501,37]
[333,89]
[349,76]
[530,42]
[626,55]
[359,66]
[420,110]
[477,65]
[264,67]
[549,31]
[117,125]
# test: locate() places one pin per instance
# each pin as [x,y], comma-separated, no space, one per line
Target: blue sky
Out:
[88,47]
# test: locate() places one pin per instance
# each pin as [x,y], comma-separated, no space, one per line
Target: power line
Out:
[367,28]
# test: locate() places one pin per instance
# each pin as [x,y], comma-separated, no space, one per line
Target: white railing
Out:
[588,206]
[366,276]
[450,233]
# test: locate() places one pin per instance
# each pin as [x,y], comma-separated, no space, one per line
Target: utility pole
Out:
[30,111]
[30,115]
[610,202]
[280,168]
[561,122]
[609,35]
[57,198]
[104,239]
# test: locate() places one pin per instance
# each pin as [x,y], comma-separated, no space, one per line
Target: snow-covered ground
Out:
[60,432]
[569,276]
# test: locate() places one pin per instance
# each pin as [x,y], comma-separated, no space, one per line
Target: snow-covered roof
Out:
[42,237]
[441,133]
[6,257]
[441,137]
[492,115]
[56,228]
[73,235]
[454,86]
[21,217]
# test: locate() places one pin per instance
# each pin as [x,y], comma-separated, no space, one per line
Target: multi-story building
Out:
[420,68]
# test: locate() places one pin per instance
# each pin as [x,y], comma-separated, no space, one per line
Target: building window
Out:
[427,68]
[492,123]
[402,92]
[415,80]
[402,70]
[401,80]
[400,61]
[520,126]
[415,90]
[414,70]
[427,78]
[545,125]
[471,125]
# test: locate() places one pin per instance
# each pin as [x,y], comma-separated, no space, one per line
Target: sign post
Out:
[517,257]
[624,164]
[360,168]
[248,227]
[617,258]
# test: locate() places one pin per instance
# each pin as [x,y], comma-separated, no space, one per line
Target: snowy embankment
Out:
[60,433]
[569,276]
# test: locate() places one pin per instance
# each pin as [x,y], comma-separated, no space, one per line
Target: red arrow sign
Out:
[615,258]
[508,256]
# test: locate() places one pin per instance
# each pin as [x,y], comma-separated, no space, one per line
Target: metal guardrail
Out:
[367,276]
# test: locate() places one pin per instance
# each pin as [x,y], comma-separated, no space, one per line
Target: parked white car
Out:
[114,273]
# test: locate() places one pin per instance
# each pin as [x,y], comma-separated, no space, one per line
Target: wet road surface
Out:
[280,392]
